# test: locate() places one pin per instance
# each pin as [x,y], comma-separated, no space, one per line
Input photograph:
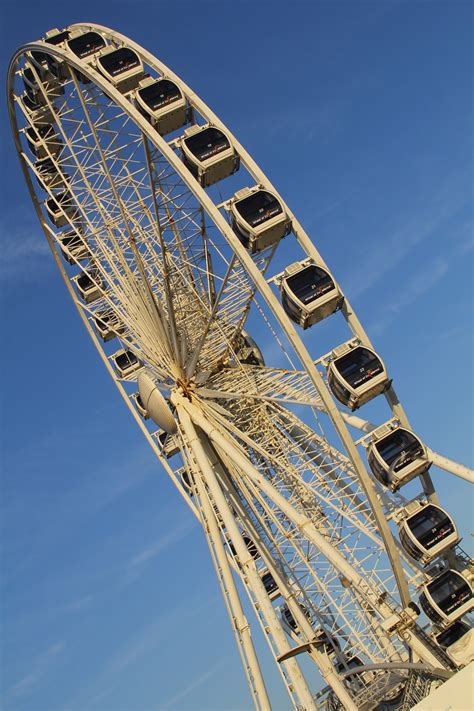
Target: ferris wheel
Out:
[167,235]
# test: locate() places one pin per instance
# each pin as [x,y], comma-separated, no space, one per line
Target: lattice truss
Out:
[317,480]
[140,222]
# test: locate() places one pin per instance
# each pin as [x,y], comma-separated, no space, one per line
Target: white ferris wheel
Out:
[166,233]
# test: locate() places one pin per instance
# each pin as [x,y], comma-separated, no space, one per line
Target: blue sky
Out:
[361,114]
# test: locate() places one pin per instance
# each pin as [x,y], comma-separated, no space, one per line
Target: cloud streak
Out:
[422,282]
[23,255]
[143,644]
[390,250]
[136,565]
[40,667]
[194,684]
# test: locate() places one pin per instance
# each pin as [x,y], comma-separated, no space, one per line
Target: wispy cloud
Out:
[194,684]
[391,249]
[421,283]
[83,500]
[169,539]
[24,254]
[152,637]
[39,668]
[75,605]
[135,566]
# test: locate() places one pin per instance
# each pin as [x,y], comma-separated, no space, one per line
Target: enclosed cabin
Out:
[47,88]
[309,293]
[32,88]
[329,642]
[269,583]
[162,102]
[37,112]
[396,456]
[426,531]
[43,141]
[142,411]
[49,176]
[89,286]
[39,61]
[452,634]
[126,363]
[57,68]
[249,544]
[356,680]
[73,247]
[208,154]
[85,46]
[356,375]
[258,218]
[122,67]
[186,480]
[247,352]
[61,209]
[289,620]
[350,663]
[251,547]
[457,640]
[447,598]
[107,324]
[169,444]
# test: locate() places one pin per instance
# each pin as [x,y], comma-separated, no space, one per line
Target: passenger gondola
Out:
[288,618]
[85,44]
[458,642]
[427,532]
[56,37]
[270,585]
[258,218]
[122,67]
[40,62]
[309,293]
[396,456]
[329,642]
[107,324]
[38,113]
[49,176]
[43,141]
[208,154]
[61,209]
[452,634]
[356,374]
[32,89]
[73,248]
[50,86]
[350,663]
[170,445]
[447,598]
[126,363]
[162,103]
[186,480]
[356,680]
[251,547]
[57,67]
[248,353]
[140,407]
[88,286]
